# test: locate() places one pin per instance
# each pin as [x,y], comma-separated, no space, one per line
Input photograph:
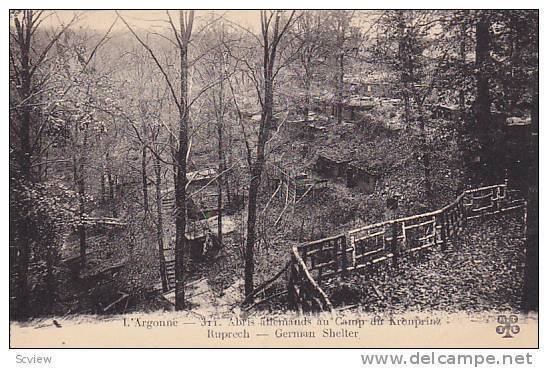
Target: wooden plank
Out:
[483,208]
[487,195]
[369,236]
[325,264]
[426,237]
[369,253]
[470,191]
[420,224]
[320,241]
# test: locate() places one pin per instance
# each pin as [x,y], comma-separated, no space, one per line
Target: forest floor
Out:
[483,270]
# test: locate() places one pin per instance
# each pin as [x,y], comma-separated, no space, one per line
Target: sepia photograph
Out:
[274,178]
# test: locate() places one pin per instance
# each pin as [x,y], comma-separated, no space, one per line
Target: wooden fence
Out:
[303,292]
[102,221]
[371,244]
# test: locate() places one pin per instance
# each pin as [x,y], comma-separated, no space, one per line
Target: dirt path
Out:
[204,301]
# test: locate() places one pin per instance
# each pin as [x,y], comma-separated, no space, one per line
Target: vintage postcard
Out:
[273,178]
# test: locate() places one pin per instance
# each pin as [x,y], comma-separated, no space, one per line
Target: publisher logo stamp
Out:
[508,326]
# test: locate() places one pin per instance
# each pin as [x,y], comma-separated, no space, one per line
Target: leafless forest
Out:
[273,160]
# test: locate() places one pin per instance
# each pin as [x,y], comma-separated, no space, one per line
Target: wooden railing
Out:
[103,221]
[304,294]
[371,244]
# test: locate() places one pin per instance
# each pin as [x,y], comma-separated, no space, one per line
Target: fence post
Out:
[303,302]
[463,212]
[343,248]
[443,221]
[335,249]
[390,214]
[394,244]
[291,297]
[352,243]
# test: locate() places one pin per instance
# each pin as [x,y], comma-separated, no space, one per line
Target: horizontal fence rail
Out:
[375,243]
[103,221]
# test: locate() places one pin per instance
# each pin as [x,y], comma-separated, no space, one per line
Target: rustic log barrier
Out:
[103,221]
[304,294]
[369,245]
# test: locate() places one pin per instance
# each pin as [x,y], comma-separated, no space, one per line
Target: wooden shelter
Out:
[316,127]
[517,137]
[371,85]
[331,166]
[446,112]
[354,107]
[204,204]
[201,177]
[362,176]
[202,235]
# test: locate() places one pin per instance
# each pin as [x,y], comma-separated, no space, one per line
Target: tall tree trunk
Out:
[249,266]
[173,149]
[405,72]
[144,116]
[269,54]
[256,172]
[111,193]
[340,87]
[50,277]
[144,180]
[531,284]
[81,201]
[25,154]
[180,184]
[81,227]
[425,156]
[23,27]
[483,101]
[226,181]
[221,174]
[220,154]
[515,59]
[180,216]
[118,185]
[25,94]
[103,190]
[307,86]
[159,224]
[45,166]
[23,259]
[462,55]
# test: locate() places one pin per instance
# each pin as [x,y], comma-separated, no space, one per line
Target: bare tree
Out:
[180,95]
[182,37]
[311,33]
[29,81]
[346,42]
[274,26]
